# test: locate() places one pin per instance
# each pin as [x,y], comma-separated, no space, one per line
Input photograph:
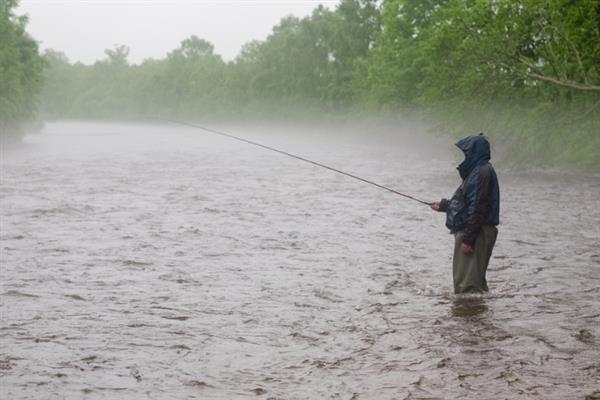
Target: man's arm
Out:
[481,207]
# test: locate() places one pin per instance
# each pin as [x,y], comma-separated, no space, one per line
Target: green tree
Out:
[526,71]
[194,79]
[21,69]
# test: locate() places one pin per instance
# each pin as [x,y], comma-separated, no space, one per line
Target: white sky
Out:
[83,29]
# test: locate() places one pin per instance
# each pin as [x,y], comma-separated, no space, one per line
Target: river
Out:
[145,261]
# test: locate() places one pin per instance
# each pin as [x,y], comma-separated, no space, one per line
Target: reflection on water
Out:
[470,307]
[157,262]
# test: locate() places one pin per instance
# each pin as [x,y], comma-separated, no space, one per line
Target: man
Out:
[472,215]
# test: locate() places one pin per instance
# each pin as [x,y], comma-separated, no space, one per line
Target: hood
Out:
[477,153]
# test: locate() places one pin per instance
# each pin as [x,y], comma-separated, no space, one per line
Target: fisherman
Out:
[472,215]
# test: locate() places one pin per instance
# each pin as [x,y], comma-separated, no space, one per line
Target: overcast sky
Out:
[82,29]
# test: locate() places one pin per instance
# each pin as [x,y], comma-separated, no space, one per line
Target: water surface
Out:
[159,262]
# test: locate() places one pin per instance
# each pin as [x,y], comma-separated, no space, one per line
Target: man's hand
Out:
[435,205]
[466,249]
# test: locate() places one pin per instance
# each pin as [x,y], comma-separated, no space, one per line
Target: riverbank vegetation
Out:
[21,68]
[525,72]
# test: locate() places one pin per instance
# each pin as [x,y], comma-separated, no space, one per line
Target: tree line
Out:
[306,64]
[21,69]
[527,72]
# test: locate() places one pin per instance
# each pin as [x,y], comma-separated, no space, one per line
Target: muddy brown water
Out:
[158,262]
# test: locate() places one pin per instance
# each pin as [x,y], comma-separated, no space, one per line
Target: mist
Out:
[233,200]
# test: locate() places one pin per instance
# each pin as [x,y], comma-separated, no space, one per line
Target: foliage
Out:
[20,71]
[305,64]
[526,72]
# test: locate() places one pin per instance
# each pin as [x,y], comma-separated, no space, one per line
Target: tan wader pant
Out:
[469,269]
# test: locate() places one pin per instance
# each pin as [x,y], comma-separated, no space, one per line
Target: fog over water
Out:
[154,261]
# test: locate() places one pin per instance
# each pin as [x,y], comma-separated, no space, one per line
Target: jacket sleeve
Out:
[479,206]
[444,205]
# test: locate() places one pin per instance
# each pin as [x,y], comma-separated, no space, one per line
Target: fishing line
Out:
[285,153]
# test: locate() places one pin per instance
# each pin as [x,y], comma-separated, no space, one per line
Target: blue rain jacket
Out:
[477,200]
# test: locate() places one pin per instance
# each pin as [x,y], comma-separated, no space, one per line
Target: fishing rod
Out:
[285,153]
